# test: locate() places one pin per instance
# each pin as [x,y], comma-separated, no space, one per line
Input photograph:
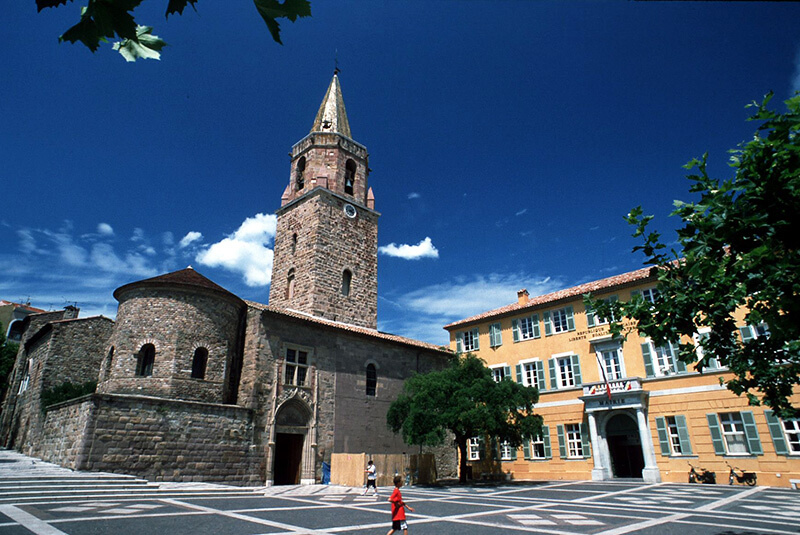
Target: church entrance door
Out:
[288,458]
[624,447]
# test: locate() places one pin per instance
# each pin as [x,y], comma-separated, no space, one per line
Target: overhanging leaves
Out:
[146,46]
[270,10]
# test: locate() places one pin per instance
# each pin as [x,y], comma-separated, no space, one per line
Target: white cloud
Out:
[246,251]
[423,249]
[427,309]
[105,258]
[521,212]
[414,195]
[104,229]
[190,238]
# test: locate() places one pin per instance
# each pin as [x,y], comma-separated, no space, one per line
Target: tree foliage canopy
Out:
[465,400]
[102,20]
[740,249]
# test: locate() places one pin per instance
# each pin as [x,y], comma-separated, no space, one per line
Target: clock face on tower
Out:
[350,210]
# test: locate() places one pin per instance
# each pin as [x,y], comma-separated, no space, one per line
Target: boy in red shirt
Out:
[399,508]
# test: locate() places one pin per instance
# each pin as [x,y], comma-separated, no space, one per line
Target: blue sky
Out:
[510,137]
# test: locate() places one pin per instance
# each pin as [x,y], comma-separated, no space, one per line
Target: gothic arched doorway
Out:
[624,446]
[291,428]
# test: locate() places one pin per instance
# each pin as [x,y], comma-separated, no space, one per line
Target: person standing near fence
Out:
[372,478]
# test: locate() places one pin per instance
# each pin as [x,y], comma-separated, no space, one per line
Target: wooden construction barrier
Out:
[348,468]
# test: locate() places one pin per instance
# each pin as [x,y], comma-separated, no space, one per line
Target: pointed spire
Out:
[332,116]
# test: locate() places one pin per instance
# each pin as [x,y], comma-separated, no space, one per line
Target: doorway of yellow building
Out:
[624,446]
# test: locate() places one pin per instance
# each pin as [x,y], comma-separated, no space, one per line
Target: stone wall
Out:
[177,323]
[63,435]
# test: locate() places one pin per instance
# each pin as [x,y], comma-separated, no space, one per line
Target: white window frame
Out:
[499,372]
[700,352]
[602,364]
[537,443]
[572,435]
[664,364]
[526,330]
[791,431]
[506,451]
[560,325]
[733,434]
[565,375]
[529,372]
[604,321]
[474,449]
[649,294]
[296,366]
[26,379]
[673,435]
[469,340]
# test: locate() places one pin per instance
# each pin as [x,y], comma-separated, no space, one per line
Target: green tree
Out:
[465,400]
[739,249]
[102,20]
[8,355]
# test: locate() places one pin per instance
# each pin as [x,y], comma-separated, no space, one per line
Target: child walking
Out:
[399,508]
[371,478]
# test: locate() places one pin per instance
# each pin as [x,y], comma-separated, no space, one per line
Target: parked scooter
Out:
[746,478]
[701,475]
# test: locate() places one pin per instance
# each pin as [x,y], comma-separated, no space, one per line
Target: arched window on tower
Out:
[347,278]
[145,360]
[290,284]
[372,379]
[300,169]
[294,242]
[349,176]
[199,363]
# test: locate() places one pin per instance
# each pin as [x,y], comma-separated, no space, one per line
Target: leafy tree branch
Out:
[740,250]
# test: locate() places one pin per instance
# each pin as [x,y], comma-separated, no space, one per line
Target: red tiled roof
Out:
[184,277]
[575,291]
[3,302]
[374,333]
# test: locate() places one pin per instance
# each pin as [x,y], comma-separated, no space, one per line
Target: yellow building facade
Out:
[615,409]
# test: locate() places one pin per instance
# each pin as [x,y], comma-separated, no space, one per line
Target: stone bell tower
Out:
[326,242]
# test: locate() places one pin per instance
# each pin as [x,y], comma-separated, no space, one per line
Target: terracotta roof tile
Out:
[183,277]
[575,291]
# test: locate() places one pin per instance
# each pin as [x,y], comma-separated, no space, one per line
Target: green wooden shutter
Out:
[589,316]
[746,332]
[481,449]
[680,366]
[495,449]
[562,444]
[663,436]
[548,454]
[570,319]
[548,325]
[683,434]
[520,379]
[477,339]
[507,373]
[513,453]
[716,434]
[459,342]
[526,450]
[553,376]
[535,322]
[515,330]
[648,360]
[751,432]
[576,369]
[776,431]
[586,442]
[540,381]
[634,293]
[495,335]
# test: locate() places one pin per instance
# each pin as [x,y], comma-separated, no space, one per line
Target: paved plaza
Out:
[43,499]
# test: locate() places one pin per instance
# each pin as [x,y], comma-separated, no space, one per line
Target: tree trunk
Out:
[462,459]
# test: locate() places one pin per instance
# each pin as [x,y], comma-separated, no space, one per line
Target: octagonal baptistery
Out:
[177,336]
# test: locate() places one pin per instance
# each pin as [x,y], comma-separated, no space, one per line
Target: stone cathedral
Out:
[197,384]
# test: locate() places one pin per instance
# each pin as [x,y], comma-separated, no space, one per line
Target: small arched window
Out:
[372,379]
[15,331]
[199,363]
[300,169]
[347,278]
[290,284]
[349,176]
[294,242]
[145,360]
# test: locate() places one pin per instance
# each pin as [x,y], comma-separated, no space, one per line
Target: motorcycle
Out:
[746,478]
[701,476]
